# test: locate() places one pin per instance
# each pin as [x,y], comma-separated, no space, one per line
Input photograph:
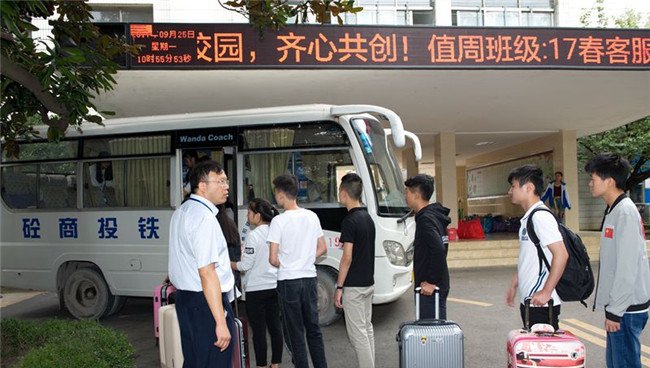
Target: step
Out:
[503,251]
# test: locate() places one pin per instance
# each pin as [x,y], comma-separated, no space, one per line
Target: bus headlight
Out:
[395,253]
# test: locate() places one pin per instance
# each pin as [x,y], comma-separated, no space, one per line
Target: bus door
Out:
[225,156]
[217,144]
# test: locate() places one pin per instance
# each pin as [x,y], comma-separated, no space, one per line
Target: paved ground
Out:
[477,305]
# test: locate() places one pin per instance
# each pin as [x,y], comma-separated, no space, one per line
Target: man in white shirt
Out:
[199,268]
[296,240]
[532,279]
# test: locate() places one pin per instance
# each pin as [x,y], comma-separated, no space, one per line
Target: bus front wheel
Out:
[86,294]
[326,284]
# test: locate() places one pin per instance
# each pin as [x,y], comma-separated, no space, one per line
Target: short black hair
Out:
[351,183]
[201,171]
[559,172]
[191,153]
[528,174]
[610,165]
[423,184]
[287,184]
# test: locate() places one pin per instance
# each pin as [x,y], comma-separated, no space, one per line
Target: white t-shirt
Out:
[297,232]
[546,228]
[259,274]
[195,241]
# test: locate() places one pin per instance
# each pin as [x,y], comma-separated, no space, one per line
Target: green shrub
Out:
[63,343]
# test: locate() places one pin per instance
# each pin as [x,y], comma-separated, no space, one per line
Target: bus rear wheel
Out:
[86,294]
[326,285]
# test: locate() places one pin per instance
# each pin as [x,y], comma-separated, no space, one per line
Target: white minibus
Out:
[88,217]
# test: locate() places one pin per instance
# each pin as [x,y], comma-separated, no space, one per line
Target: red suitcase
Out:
[162,295]
[542,347]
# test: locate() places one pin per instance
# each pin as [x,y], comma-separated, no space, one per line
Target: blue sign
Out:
[107,228]
[148,228]
[68,228]
[31,228]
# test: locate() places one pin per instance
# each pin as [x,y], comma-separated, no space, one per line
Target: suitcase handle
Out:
[527,312]
[436,293]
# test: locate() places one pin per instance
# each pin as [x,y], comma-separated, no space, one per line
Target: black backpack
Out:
[577,282]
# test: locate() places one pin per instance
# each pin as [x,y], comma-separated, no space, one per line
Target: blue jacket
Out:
[548,196]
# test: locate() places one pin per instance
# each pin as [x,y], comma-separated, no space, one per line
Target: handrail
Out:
[396,126]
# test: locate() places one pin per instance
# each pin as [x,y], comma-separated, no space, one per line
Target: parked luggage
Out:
[240,356]
[499,224]
[470,229]
[240,351]
[431,343]
[487,222]
[171,350]
[162,295]
[541,346]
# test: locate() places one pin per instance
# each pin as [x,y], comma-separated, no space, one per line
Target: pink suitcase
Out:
[527,348]
[161,297]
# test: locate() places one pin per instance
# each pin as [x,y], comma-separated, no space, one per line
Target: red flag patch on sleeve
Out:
[609,232]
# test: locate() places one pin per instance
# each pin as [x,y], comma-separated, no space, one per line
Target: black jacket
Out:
[431,245]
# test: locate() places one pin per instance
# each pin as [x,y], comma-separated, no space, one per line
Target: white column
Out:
[446,181]
[565,159]
[442,12]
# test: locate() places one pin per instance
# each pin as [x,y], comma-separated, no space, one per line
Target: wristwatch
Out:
[339,287]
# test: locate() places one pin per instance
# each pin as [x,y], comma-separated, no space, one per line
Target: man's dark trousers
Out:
[299,307]
[198,326]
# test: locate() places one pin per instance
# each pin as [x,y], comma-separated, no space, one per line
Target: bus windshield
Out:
[384,170]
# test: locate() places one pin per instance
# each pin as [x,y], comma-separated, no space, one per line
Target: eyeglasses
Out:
[220,182]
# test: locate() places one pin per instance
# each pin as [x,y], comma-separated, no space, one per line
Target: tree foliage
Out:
[275,14]
[596,16]
[631,141]
[56,78]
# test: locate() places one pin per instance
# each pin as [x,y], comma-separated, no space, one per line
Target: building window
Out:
[499,13]
[392,15]
[122,13]
[422,17]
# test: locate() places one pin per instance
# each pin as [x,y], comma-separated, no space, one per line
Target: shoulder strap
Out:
[530,229]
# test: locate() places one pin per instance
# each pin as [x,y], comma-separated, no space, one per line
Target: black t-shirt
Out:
[357,228]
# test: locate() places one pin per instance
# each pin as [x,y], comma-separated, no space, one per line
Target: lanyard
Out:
[206,206]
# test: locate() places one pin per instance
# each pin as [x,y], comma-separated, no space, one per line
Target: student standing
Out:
[355,284]
[260,284]
[296,240]
[532,279]
[557,196]
[430,245]
[624,276]
[200,269]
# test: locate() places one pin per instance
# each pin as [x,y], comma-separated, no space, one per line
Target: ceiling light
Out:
[484,143]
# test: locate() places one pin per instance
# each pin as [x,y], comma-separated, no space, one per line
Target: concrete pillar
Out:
[409,163]
[461,177]
[442,11]
[446,181]
[565,159]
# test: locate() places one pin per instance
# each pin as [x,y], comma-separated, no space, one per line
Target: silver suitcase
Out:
[430,343]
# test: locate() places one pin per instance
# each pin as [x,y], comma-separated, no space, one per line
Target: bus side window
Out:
[19,186]
[99,183]
[313,169]
[56,189]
